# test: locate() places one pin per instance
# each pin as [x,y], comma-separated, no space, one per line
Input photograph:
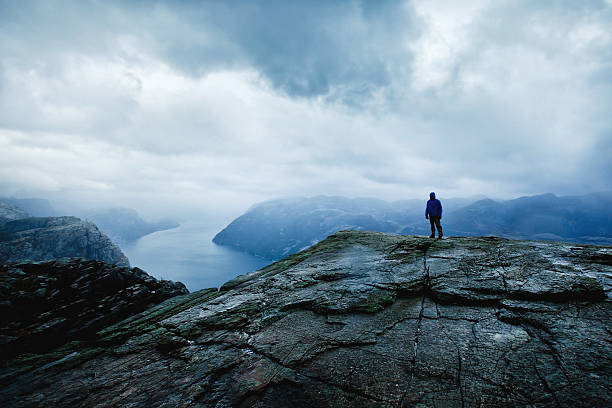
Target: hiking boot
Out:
[440,236]
[432,236]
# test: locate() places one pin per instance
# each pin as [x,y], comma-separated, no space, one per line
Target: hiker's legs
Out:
[438,226]
[433,226]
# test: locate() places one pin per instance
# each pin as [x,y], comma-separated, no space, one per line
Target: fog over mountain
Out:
[125,225]
[279,228]
[122,225]
[147,149]
[586,219]
[211,107]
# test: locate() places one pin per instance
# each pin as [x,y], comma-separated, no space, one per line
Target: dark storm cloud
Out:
[304,48]
[343,49]
[246,100]
[310,51]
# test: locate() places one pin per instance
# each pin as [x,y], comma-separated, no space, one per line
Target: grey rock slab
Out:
[360,319]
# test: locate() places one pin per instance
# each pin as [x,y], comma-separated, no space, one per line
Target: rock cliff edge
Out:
[361,319]
[47,238]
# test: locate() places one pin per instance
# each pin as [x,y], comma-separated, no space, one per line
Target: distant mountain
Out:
[281,227]
[120,224]
[36,207]
[48,238]
[586,218]
[278,228]
[10,212]
[125,225]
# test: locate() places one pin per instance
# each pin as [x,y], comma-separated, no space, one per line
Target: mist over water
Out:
[187,254]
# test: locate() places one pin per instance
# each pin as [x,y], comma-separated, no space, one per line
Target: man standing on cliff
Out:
[433,212]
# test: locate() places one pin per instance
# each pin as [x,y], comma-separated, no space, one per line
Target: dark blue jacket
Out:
[434,207]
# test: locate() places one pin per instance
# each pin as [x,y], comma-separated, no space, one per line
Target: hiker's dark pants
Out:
[435,223]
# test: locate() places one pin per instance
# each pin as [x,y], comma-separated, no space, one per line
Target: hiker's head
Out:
[432,195]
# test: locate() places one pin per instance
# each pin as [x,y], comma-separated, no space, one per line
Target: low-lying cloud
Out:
[217,105]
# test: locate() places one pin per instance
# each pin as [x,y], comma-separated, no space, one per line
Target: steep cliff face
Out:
[47,238]
[47,304]
[361,319]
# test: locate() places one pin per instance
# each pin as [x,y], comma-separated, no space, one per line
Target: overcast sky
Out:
[217,105]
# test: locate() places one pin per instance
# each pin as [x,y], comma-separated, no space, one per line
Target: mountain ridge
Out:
[277,228]
[124,225]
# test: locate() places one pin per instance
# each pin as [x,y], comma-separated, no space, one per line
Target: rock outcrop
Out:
[48,238]
[47,304]
[361,319]
[10,212]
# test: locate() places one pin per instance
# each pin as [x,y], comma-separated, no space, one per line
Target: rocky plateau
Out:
[360,319]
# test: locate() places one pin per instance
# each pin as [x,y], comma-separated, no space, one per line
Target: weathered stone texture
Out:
[362,320]
[47,304]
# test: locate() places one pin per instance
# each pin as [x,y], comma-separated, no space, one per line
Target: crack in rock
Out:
[360,319]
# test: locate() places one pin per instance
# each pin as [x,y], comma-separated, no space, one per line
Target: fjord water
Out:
[187,254]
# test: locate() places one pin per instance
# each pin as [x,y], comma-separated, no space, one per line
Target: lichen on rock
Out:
[362,319]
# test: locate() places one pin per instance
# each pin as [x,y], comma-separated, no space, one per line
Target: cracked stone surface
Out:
[361,319]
